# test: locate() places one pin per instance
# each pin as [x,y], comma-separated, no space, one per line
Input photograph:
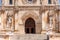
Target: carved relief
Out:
[10,22]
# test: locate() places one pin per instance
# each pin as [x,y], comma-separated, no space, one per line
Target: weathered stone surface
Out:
[28,37]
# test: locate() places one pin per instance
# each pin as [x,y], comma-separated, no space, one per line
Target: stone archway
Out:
[30,26]
[36,18]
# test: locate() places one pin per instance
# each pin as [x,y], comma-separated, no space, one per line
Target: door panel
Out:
[30,26]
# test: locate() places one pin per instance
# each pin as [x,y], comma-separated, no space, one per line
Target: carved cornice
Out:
[16,11]
[31,7]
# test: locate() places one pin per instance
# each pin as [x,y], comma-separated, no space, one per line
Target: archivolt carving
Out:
[30,14]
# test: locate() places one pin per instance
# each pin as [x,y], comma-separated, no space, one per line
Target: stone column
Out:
[45,21]
[54,22]
[59,21]
[2,19]
[15,20]
[13,23]
[56,26]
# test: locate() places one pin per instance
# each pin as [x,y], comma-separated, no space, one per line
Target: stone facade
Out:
[13,16]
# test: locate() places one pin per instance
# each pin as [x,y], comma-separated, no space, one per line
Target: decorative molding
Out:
[27,2]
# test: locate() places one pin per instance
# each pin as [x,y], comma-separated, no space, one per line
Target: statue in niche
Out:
[9,21]
[10,24]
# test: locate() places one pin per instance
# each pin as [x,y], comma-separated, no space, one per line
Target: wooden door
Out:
[30,26]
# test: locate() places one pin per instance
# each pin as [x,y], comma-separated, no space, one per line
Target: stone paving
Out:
[55,38]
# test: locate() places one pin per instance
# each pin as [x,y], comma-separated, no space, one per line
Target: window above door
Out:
[10,2]
[49,1]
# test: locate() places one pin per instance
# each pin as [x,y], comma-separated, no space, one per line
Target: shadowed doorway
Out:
[30,26]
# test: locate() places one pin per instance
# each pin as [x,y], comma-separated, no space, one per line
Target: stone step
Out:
[56,34]
[28,37]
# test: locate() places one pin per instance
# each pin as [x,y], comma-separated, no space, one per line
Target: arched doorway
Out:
[30,26]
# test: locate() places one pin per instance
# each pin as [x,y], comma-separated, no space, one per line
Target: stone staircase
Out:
[28,37]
